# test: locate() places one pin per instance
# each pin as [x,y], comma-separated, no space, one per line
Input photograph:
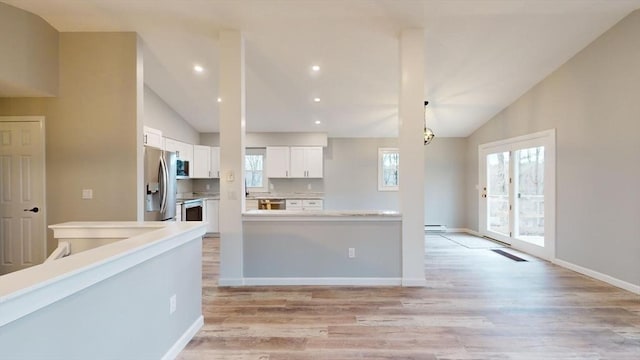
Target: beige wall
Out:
[592,101]
[28,54]
[92,128]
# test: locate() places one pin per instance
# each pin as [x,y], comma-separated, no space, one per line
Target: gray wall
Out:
[445,178]
[592,101]
[91,128]
[319,249]
[159,115]
[123,317]
[351,175]
[29,60]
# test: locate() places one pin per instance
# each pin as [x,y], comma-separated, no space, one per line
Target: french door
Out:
[517,192]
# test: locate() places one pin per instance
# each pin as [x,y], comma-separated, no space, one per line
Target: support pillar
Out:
[232,134]
[411,147]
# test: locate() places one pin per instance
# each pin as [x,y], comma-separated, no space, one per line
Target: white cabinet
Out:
[277,161]
[293,204]
[178,212]
[294,162]
[215,163]
[251,204]
[306,162]
[201,166]
[206,162]
[304,204]
[153,137]
[312,204]
[183,150]
[212,209]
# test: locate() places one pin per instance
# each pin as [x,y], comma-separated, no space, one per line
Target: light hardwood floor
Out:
[477,305]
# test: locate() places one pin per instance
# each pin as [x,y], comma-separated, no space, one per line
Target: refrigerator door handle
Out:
[164,178]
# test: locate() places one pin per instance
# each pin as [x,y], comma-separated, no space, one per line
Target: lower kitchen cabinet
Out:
[212,215]
[179,212]
[304,204]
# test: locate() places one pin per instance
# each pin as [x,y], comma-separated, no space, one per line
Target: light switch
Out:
[87,194]
[230,176]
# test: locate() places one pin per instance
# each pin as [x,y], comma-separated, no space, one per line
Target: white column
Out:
[411,146]
[232,133]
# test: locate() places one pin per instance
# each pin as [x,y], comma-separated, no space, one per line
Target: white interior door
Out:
[517,194]
[22,193]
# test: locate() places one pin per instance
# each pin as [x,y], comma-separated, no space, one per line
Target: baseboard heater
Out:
[435,229]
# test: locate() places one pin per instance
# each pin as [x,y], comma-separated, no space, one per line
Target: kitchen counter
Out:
[310,215]
[320,247]
[185,197]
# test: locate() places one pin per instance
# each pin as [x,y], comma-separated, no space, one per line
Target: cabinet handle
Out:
[286,173]
[177,154]
[145,138]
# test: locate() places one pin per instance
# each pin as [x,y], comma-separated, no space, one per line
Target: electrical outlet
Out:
[352,253]
[87,194]
[172,304]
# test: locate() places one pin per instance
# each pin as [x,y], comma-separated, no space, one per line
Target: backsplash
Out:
[275,186]
[296,185]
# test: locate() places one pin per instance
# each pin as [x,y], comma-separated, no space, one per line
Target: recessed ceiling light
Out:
[198,68]
[219,99]
[317,122]
[316,99]
[315,68]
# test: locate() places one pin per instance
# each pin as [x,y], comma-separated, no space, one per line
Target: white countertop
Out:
[258,215]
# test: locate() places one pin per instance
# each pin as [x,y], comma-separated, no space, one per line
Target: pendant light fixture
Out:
[428,133]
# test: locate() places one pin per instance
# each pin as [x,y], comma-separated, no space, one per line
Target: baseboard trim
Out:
[231,282]
[417,282]
[282,281]
[179,345]
[599,276]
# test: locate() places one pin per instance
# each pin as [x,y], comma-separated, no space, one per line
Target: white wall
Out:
[592,101]
[445,179]
[159,115]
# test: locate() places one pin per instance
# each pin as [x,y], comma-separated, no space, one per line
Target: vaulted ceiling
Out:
[481,55]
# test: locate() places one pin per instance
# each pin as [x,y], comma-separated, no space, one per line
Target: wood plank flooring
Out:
[477,305]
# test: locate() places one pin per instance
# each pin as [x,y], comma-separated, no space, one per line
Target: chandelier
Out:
[428,133]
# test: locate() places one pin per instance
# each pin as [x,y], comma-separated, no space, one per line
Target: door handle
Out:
[33,210]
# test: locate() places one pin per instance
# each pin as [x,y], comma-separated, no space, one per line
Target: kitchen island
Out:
[284,247]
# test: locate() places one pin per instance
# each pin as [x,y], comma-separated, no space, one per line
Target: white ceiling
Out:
[481,55]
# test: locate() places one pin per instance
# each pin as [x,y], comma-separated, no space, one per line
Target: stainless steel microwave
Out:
[182,167]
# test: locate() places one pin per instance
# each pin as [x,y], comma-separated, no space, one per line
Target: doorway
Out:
[517,192]
[22,193]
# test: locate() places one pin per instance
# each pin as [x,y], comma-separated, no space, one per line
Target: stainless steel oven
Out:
[192,210]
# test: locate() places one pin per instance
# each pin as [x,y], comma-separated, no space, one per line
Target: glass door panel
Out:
[498,193]
[529,199]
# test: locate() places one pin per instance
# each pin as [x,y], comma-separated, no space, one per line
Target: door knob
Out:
[35,210]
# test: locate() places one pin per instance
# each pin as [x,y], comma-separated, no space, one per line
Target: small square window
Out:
[254,170]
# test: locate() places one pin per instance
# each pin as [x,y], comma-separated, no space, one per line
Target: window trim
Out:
[381,186]
[265,180]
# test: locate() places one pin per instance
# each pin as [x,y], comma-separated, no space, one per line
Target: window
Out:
[254,174]
[388,169]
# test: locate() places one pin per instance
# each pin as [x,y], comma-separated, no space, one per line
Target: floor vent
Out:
[506,254]
[435,229]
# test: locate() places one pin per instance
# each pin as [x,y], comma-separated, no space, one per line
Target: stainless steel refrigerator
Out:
[159,184]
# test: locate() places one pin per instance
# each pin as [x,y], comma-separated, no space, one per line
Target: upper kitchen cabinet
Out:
[294,162]
[153,137]
[201,167]
[306,162]
[277,161]
[206,162]
[183,150]
[215,162]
